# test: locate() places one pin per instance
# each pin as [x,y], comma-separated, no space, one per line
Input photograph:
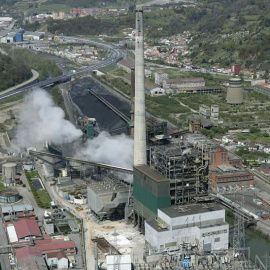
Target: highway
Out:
[115,56]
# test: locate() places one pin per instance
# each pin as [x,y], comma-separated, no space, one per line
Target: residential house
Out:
[57,259]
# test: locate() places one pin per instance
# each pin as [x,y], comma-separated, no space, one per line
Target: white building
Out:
[157,91]
[57,259]
[160,76]
[120,262]
[147,73]
[183,83]
[204,111]
[214,113]
[195,225]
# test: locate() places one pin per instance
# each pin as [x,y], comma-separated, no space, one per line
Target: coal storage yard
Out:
[92,107]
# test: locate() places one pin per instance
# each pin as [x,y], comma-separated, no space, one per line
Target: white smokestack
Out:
[139,100]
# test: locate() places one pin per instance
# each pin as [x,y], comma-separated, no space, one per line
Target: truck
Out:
[54,204]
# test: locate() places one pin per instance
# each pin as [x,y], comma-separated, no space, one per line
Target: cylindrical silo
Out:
[9,196]
[235,91]
[9,170]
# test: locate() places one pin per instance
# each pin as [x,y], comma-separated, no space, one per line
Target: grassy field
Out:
[41,196]
[107,69]
[167,108]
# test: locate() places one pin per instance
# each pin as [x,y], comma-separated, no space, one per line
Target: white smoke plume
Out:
[112,150]
[41,120]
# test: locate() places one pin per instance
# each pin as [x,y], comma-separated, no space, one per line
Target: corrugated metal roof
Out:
[56,246]
[27,227]
[16,208]
[12,235]
[185,80]
[27,251]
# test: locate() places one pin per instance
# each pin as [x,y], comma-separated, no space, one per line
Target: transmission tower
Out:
[239,245]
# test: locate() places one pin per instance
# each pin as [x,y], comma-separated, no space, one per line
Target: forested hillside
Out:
[11,72]
[223,31]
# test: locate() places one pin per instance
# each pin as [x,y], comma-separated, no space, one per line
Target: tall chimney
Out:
[139,114]
[132,94]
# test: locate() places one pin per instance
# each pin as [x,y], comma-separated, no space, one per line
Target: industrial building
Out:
[108,198]
[121,262]
[214,117]
[19,35]
[228,178]
[183,83]
[202,90]
[175,174]
[23,230]
[126,65]
[160,76]
[204,111]
[202,227]
[235,92]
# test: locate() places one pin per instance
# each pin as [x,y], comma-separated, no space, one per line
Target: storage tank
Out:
[80,199]
[9,196]
[235,92]
[64,172]
[9,170]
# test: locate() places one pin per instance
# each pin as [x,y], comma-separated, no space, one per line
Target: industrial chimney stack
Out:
[139,114]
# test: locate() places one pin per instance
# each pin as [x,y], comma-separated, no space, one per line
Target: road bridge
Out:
[115,56]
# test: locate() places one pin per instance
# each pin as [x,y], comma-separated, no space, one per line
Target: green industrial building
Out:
[151,191]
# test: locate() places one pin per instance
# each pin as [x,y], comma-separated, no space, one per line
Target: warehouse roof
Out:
[185,80]
[127,63]
[30,258]
[6,209]
[26,251]
[27,227]
[55,245]
[12,235]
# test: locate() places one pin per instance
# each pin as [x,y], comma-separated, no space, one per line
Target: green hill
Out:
[12,73]
[223,31]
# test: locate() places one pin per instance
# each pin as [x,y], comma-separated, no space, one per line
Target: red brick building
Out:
[226,177]
[226,172]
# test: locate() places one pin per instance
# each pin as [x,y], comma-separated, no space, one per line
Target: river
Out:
[257,242]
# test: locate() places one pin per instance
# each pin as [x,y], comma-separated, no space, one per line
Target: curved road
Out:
[115,56]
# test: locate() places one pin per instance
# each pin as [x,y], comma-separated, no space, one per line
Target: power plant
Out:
[163,191]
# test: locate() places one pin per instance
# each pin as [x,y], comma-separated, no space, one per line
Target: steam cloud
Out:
[41,120]
[117,150]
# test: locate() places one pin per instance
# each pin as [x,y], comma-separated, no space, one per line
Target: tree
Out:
[254,130]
